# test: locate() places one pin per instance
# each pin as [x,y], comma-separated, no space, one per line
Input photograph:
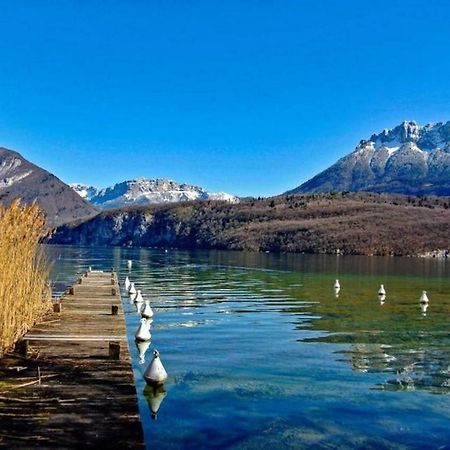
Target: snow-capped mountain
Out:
[23,179]
[408,159]
[143,191]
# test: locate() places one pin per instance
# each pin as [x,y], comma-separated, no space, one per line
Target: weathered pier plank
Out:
[84,393]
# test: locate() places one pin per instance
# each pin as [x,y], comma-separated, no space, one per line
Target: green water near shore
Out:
[261,353]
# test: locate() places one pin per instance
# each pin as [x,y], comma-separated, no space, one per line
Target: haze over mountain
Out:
[408,159]
[142,191]
[23,179]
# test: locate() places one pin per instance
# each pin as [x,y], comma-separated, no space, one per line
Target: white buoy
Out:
[132,289]
[337,284]
[336,291]
[382,290]
[142,347]
[155,373]
[147,311]
[382,298]
[423,308]
[130,264]
[424,297]
[127,283]
[139,298]
[143,332]
[90,269]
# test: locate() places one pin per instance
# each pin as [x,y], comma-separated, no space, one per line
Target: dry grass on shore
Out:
[24,276]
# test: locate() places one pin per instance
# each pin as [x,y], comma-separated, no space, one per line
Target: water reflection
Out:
[250,337]
[154,396]
[142,349]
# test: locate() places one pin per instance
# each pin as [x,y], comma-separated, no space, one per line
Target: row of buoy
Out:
[155,374]
[423,300]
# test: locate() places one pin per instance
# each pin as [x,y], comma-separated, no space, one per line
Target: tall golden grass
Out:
[25,293]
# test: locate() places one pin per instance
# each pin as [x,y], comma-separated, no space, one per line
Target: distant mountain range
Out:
[143,191]
[408,159]
[23,179]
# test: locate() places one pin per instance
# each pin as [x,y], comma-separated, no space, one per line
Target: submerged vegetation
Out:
[25,291]
[346,223]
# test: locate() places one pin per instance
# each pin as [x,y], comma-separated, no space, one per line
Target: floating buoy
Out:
[143,332]
[127,283]
[132,289]
[382,290]
[130,264]
[337,284]
[155,396]
[142,347]
[336,291]
[424,297]
[147,311]
[90,269]
[155,373]
[139,298]
[382,298]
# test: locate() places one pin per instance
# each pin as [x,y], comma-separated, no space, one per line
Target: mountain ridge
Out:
[407,159]
[145,191]
[356,223]
[29,182]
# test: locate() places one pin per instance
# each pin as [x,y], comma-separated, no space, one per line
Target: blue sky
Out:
[248,97]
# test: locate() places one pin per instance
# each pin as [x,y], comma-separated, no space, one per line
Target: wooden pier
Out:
[82,392]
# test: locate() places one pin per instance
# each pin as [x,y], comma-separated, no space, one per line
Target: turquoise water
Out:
[261,353]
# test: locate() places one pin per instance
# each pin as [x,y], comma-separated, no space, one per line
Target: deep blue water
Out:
[262,354]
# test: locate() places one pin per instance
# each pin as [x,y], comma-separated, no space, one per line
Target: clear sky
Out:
[247,97]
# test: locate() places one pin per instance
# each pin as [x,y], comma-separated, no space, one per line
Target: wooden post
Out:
[113,291]
[80,280]
[21,347]
[86,273]
[57,307]
[114,310]
[71,290]
[114,350]
[113,281]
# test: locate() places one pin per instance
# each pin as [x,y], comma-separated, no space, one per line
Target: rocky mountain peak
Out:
[23,179]
[407,159]
[144,191]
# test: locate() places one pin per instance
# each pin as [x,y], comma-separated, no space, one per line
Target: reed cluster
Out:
[25,293]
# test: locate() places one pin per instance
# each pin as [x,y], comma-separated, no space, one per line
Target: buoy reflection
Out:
[142,349]
[154,396]
[423,308]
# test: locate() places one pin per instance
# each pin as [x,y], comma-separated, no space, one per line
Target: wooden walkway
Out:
[86,394]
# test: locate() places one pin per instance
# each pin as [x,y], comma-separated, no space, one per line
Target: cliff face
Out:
[409,159]
[349,224]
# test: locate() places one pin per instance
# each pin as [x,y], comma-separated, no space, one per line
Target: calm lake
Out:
[262,353]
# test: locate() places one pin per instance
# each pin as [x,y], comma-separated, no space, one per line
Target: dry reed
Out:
[25,293]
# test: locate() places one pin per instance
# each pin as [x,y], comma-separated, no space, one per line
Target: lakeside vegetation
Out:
[25,293]
[346,223]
